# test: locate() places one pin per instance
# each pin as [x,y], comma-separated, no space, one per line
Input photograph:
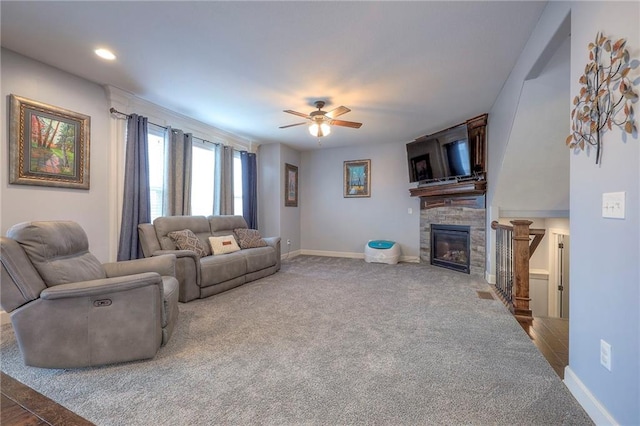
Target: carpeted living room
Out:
[293,213]
[326,341]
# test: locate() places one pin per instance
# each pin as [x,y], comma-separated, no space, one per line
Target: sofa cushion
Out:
[59,250]
[249,238]
[259,258]
[199,225]
[223,245]
[218,269]
[187,240]
[225,224]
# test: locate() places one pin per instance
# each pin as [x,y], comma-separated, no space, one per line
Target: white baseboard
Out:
[490,278]
[327,253]
[352,255]
[289,255]
[4,318]
[585,398]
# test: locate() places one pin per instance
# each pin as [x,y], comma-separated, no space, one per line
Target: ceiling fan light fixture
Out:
[319,130]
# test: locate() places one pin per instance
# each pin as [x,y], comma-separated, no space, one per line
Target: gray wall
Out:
[276,219]
[605,253]
[90,208]
[268,159]
[334,224]
[536,156]
[509,124]
[290,216]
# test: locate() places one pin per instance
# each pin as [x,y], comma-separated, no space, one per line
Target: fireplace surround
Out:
[471,214]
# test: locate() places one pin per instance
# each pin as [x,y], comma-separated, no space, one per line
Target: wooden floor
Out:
[22,406]
[551,337]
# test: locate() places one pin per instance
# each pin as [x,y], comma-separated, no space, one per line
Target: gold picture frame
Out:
[48,145]
[357,179]
[290,185]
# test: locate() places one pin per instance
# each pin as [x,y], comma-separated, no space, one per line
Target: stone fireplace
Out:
[457,212]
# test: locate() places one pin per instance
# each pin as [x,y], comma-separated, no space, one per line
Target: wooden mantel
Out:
[472,187]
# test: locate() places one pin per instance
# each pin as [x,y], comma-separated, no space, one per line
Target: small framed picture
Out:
[357,179]
[48,146]
[290,185]
[422,167]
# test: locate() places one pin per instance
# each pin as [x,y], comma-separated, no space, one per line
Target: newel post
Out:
[521,267]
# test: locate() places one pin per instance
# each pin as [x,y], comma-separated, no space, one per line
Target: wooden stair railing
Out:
[514,248]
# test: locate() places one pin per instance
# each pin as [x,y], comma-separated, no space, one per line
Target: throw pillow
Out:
[187,240]
[249,238]
[223,245]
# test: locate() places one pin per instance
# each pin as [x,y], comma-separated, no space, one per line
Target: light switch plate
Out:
[613,205]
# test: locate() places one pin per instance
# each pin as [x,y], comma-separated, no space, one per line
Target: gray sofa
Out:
[201,277]
[68,310]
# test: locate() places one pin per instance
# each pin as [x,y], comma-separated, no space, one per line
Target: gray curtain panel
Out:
[178,187]
[223,193]
[249,188]
[136,206]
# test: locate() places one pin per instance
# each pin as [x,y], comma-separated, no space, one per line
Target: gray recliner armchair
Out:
[68,310]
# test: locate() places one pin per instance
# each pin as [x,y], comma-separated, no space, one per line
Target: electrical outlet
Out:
[288,242]
[605,354]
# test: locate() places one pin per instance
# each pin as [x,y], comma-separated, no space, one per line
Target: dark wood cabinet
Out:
[476,129]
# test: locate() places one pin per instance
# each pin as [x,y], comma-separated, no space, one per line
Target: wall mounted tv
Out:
[442,156]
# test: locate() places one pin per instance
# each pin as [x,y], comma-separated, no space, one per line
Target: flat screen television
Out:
[440,157]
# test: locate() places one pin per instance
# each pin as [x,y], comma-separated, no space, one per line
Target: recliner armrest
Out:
[101,286]
[164,265]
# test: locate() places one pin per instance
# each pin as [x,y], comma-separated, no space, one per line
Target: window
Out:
[203,161]
[237,183]
[156,171]
[203,170]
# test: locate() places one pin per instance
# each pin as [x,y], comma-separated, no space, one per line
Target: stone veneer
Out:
[474,218]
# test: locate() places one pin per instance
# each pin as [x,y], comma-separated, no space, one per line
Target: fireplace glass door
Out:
[450,247]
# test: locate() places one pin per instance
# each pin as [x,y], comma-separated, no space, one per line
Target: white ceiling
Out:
[404,68]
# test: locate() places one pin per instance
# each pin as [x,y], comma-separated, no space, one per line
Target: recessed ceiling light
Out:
[105,54]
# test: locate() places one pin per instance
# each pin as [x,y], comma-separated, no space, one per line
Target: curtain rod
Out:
[112,110]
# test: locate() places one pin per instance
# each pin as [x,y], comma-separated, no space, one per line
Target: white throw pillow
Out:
[223,245]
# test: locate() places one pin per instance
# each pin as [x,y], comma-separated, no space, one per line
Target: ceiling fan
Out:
[321,121]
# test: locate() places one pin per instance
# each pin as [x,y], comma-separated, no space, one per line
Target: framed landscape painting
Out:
[290,185]
[48,146]
[357,179]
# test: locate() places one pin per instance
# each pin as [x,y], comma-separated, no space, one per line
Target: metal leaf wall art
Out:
[606,97]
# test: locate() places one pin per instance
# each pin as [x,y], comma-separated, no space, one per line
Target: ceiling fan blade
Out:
[291,125]
[337,112]
[343,123]
[299,114]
